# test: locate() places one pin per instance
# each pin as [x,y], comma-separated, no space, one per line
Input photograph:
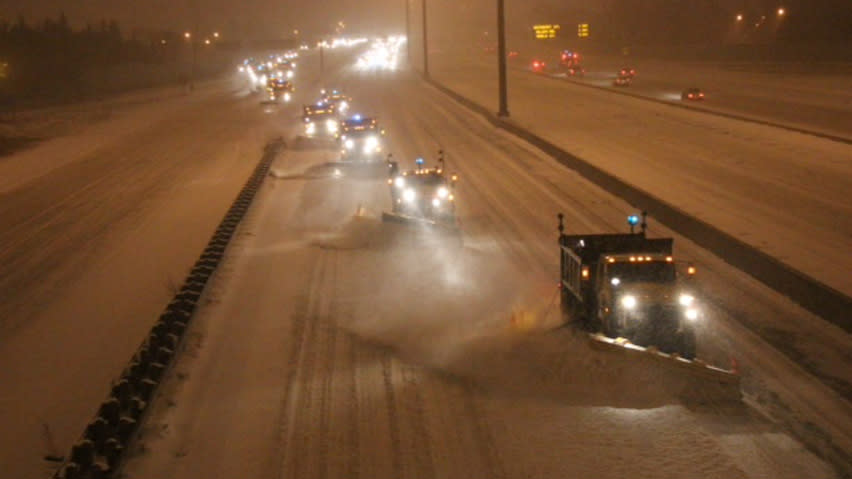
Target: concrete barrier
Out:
[111,431]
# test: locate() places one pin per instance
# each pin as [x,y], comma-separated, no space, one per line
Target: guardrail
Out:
[99,451]
[811,294]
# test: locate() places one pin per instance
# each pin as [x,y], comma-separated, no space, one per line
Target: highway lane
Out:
[814,97]
[336,345]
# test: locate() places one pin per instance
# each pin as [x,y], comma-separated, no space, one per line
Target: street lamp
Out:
[781,12]
[739,17]
[187,35]
[408,31]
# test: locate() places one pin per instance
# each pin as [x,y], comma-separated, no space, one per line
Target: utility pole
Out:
[193,41]
[501,61]
[425,43]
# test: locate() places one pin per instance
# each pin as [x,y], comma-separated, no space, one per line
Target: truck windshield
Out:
[430,180]
[646,271]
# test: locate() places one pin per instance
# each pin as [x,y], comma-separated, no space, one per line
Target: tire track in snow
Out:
[299,403]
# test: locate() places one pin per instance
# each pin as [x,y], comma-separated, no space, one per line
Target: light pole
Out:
[408,29]
[501,61]
[425,43]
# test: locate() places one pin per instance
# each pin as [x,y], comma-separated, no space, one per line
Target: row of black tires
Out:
[100,450]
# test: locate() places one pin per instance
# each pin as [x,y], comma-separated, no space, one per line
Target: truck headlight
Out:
[331,126]
[399,182]
[408,195]
[289,73]
[686,299]
[311,128]
[443,192]
[349,144]
[286,97]
[628,301]
[436,202]
[371,144]
[691,314]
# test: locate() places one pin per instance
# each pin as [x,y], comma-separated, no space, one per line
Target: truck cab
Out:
[640,296]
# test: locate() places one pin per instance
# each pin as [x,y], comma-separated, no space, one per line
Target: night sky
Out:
[233,17]
[278,18]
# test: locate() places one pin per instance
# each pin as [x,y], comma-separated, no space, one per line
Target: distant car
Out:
[513,54]
[537,66]
[569,58]
[693,94]
[622,81]
[627,72]
[575,71]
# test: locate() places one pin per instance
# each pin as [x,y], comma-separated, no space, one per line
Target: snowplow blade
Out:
[709,380]
[418,220]
[447,231]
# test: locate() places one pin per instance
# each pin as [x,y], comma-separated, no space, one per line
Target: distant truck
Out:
[628,286]
[422,195]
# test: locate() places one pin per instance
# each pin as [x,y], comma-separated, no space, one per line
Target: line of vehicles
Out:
[625,290]
[422,194]
[571,65]
[272,76]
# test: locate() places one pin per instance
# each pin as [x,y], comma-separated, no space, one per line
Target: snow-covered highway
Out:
[335,345]
[331,344]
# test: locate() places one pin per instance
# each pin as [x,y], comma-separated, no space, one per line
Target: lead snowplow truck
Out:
[627,291]
[627,286]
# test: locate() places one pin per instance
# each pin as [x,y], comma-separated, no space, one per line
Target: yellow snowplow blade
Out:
[707,377]
[418,220]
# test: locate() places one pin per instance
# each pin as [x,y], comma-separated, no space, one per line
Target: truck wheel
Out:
[609,325]
[686,347]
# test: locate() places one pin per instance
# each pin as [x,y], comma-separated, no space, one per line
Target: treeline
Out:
[53,60]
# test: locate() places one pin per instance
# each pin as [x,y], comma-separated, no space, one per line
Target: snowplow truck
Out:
[422,195]
[627,287]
